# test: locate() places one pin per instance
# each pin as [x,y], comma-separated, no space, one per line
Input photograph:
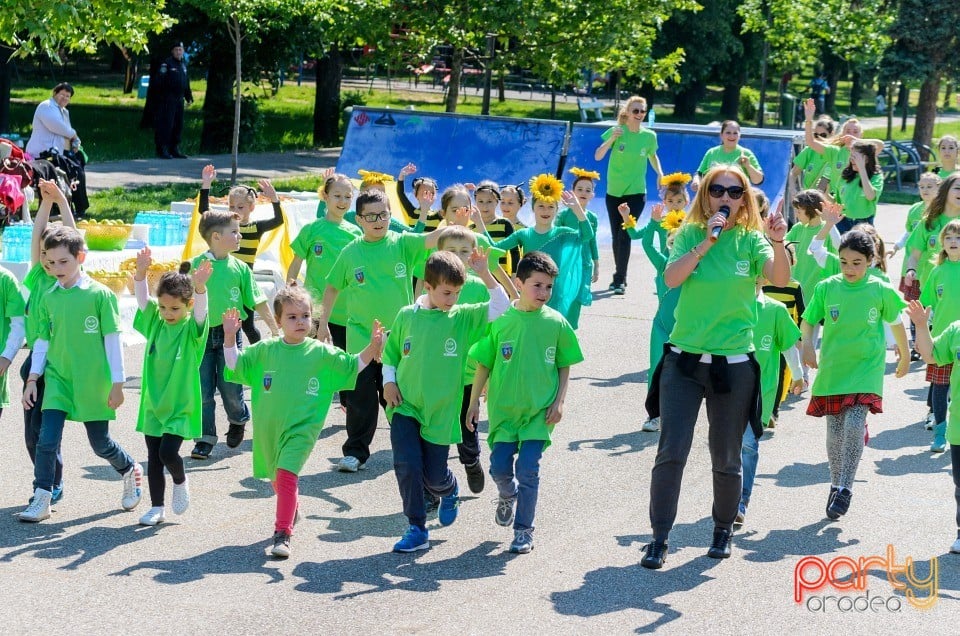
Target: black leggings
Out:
[621,240]
[163,452]
[250,328]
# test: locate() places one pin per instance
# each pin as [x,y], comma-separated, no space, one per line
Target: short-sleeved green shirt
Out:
[319,244]
[429,349]
[231,286]
[523,351]
[11,306]
[474,291]
[775,333]
[914,216]
[926,241]
[37,282]
[854,201]
[837,158]
[74,322]
[806,270]
[715,313]
[629,155]
[946,350]
[717,156]
[483,242]
[813,166]
[170,387]
[376,281]
[853,349]
[292,387]
[942,292]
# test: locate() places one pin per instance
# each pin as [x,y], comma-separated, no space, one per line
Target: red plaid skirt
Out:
[939,375]
[821,405]
[912,292]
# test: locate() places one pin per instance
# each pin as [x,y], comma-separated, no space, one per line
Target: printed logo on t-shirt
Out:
[834,312]
[358,275]
[957,352]
[317,249]
[406,347]
[91,324]
[873,315]
[179,353]
[450,348]
[313,386]
[235,294]
[400,270]
[933,241]
[550,355]
[267,381]
[939,291]
[506,351]
[743,268]
[766,343]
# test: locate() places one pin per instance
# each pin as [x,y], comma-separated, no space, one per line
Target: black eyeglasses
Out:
[637,111]
[376,216]
[716,191]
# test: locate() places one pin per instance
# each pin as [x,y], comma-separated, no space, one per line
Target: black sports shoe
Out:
[176,153]
[720,548]
[235,435]
[655,554]
[840,504]
[432,502]
[833,494]
[201,450]
[475,478]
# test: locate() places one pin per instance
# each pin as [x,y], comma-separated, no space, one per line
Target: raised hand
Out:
[831,212]
[656,211]
[624,210]
[268,190]
[570,200]
[202,275]
[919,314]
[207,175]
[478,260]
[144,261]
[407,170]
[776,227]
[231,322]
[809,108]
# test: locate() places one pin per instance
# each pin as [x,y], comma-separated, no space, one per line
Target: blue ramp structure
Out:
[681,148]
[451,148]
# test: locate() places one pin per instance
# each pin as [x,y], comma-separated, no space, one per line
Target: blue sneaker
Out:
[57,493]
[448,507]
[412,540]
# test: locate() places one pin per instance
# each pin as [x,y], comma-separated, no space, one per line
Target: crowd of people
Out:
[425,310]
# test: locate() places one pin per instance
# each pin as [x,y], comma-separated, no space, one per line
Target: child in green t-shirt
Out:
[423,367]
[854,307]
[526,357]
[175,326]
[231,285]
[83,365]
[292,381]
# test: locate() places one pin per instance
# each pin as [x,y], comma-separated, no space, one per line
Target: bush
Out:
[749,104]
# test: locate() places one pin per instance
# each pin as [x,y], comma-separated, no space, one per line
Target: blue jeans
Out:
[749,454]
[211,379]
[51,433]
[845,224]
[520,478]
[33,418]
[419,465]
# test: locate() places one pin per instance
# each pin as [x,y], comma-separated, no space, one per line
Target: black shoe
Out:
[475,478]
[840,504]
[655,554]
[235,435]
[833,494]
[432,502]
[620,290]
[720,548]
[201,450]
[915,356]
[164,154]
[176,153]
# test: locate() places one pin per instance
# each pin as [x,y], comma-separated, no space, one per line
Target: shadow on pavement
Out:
[231,559]
[799,474]
[921,462]
[85,545]
[619,444]
[386,572]
[910,435]
[15,533]
[345,530]
[636,377]
[821,537]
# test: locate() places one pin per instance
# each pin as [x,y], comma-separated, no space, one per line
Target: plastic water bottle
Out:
[171,228]
[651,118]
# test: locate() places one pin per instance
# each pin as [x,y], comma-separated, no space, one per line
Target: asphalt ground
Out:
[92,569]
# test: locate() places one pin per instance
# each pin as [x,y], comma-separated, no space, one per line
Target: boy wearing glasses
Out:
[375,275]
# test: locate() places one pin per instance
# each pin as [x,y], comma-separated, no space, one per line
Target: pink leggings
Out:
[286,488]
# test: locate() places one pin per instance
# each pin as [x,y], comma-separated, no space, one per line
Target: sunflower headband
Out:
[546,188]
[369,177]
[580,173]
[676,179]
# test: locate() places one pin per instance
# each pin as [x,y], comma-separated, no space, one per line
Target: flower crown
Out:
[546,187]
[580,173]
[675,179]
[370,177]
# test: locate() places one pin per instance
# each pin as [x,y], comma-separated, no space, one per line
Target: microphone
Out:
[715,232]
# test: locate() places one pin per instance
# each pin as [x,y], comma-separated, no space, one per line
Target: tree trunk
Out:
[856,91]
[553,102]
[216,101]
[501,89]
[926,113]
[686,100]
[762,106]
[453,88]
[833,69]
[5,82]
[326,103]
[730,102]
[948,93]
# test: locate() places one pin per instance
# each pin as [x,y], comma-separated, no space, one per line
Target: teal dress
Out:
[664,319]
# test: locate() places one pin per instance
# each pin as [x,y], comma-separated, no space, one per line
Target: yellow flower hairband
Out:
[370,177]
[673,220]
[675,179]
[546,188]
[580,173]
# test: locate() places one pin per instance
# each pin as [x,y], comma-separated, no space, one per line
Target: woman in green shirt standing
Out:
[729,152]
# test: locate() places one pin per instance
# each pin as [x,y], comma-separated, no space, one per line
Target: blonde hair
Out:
[624,113]
[953,227]
[748,215]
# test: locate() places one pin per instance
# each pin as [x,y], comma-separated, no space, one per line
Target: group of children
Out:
[422,317]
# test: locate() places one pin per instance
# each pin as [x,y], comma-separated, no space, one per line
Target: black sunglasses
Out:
[716,191]
[637,111]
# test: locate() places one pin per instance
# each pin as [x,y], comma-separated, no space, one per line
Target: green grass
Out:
[939,130]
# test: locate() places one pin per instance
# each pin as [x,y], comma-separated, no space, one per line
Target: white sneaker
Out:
[930,421]
[132,489]
[39,508]
[153,517]
[955,548]
[349,464]
[181,498]
[652,425]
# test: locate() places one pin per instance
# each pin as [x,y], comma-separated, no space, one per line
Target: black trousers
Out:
[168,125]
[469,448]
[363,409]
[163,452]
[621,240]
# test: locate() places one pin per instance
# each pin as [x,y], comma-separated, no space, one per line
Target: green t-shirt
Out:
[473,291]
[483,242]
[74,322]
[944,173]
[376,281]
[806,271]
[853,350]
[837,158]
[567,218]
[231,286]
[717,156]
[813,165]
[319,244]
[775,333]
[170,388]
[927,242]
[716,310]
[524,350]
[429,349]
[914,216]
[629,155]
[854,201]
[37,282]
[946,350]
[942,292]
[291,388]
[11,306]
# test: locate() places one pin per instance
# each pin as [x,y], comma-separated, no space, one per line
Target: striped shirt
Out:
[251,233]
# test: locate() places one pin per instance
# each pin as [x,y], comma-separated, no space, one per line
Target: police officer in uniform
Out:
[173,88]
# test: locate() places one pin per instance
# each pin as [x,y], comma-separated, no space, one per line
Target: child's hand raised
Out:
[407,170]
[462,216]
[144,261]
[656,211]
[231,323]
[809,109]
[201,276]
[570,200]
[776,227]
[476,218]
[378,337]
[919,314]
[478,260]
[831,212]
[207,175]
[268,190]
[624,210]
[470,186]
